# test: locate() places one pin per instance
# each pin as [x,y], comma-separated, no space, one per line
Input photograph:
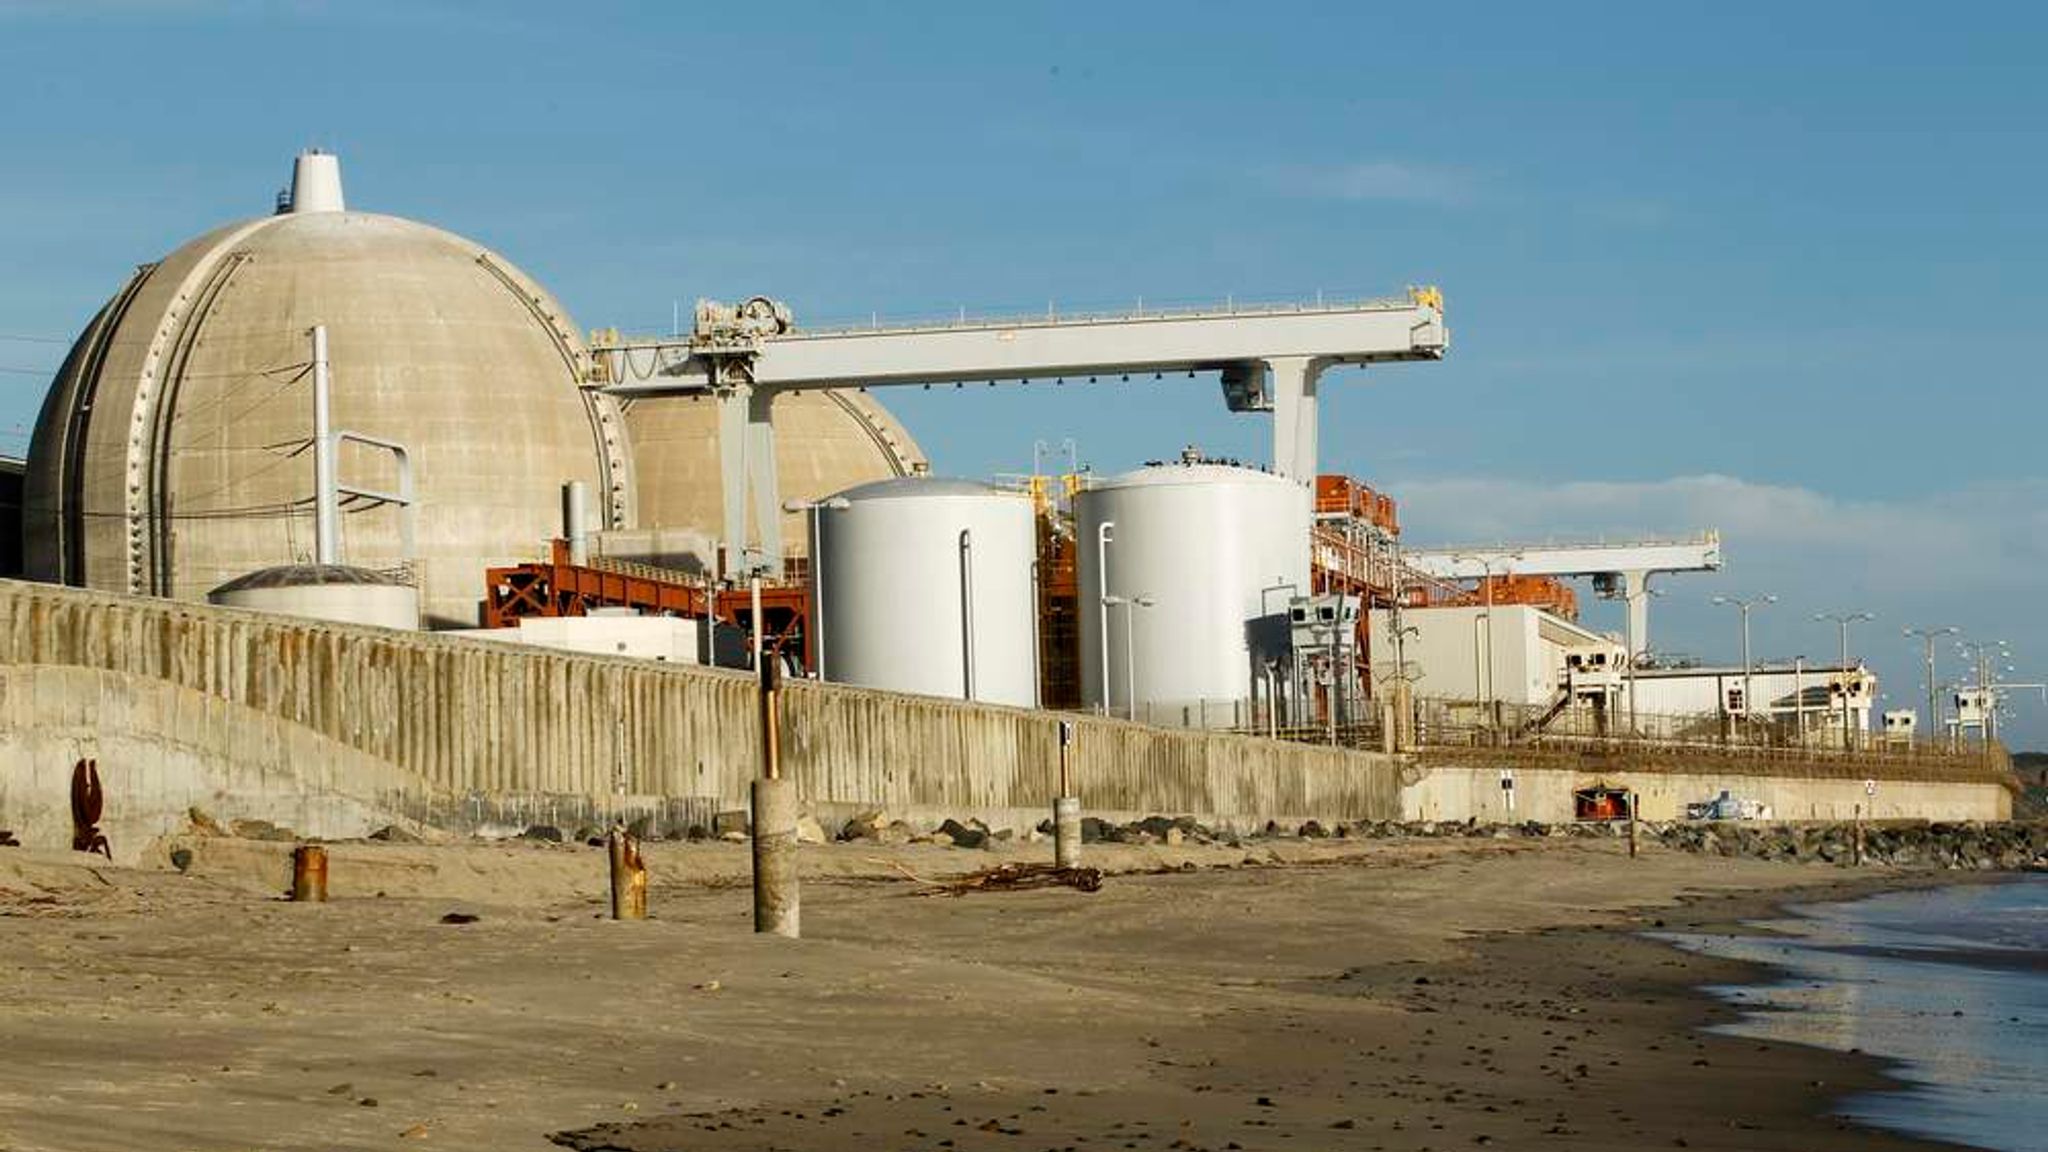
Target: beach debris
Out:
[460,918]
[1013,877]
[7,839]
[88,804]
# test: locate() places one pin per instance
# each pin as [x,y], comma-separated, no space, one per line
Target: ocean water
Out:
[1951,983]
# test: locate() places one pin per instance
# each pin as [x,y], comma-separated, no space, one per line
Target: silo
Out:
[925,585]
[334,592]
[1201,559]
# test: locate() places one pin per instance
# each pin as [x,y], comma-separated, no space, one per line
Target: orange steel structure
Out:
[1059,594]
[559,588]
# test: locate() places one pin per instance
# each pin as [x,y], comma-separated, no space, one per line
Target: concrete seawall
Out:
[488,734]
[331,728]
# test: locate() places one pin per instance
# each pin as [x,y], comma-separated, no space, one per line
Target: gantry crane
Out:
[1619,571]
[1270,360]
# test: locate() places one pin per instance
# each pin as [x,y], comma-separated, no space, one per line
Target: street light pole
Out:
[1104,533]
[1929,636]
[1743,606]
[1842,620]
[1130,604]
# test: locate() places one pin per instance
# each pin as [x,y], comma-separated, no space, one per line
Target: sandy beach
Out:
[1290,994]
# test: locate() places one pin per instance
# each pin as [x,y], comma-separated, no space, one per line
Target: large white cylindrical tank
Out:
[333,592]
[1217,549]
[925,585]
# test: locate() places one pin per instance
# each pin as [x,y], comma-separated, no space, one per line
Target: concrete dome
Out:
[825,443]
[170,456]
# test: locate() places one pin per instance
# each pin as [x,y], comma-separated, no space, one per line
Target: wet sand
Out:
[1386,995]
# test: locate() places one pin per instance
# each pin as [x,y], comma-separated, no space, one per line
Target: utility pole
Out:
[1842,620]
[1743,606]
[1929,636]
[326,494]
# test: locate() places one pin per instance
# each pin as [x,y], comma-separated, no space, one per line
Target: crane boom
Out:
[1270,358]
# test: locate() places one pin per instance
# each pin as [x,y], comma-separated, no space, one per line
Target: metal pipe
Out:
[575,502]
[754,624]
[1104,533]
[817,621]
[1037,643]
[326,500]
[967,611]
[309,874]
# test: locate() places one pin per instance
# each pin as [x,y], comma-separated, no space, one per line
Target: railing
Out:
[1180,309]
[1450,725]
[1709,537]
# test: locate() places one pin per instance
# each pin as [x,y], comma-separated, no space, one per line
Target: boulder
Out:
[734,820]
[547,833]
[809,831]
[866,825]
[261,830]
[968,835]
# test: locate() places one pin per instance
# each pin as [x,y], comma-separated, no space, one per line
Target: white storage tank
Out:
[334,592]
[925,585]
[1201,561]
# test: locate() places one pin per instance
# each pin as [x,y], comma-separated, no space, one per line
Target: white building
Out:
[1520,656]
[1798,704]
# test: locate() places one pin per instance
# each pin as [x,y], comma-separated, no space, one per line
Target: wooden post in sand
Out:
[1632,799]
[629,876]
[309,874]
[775,804]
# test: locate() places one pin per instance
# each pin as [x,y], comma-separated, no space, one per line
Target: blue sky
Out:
[1771,268]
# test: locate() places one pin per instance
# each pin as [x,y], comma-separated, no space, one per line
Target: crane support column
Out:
[746,461]
[1635,589]
[1294,415]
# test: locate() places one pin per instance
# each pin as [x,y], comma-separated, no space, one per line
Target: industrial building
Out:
[372,422]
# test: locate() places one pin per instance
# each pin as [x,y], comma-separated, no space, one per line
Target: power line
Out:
[18,338]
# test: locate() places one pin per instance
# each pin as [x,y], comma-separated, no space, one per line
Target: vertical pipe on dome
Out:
[326,497]
[316,182]
[576,520]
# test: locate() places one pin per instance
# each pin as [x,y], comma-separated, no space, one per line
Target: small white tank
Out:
[1217,550]
[333,592]
[925,585]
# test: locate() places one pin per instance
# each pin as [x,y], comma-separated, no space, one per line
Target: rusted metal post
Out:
[1066,807]
[1632,801]
[309,874]
[776,894]
[629,876]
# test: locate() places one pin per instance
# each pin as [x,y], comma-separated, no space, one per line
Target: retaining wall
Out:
[486,734]
[1456,791]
